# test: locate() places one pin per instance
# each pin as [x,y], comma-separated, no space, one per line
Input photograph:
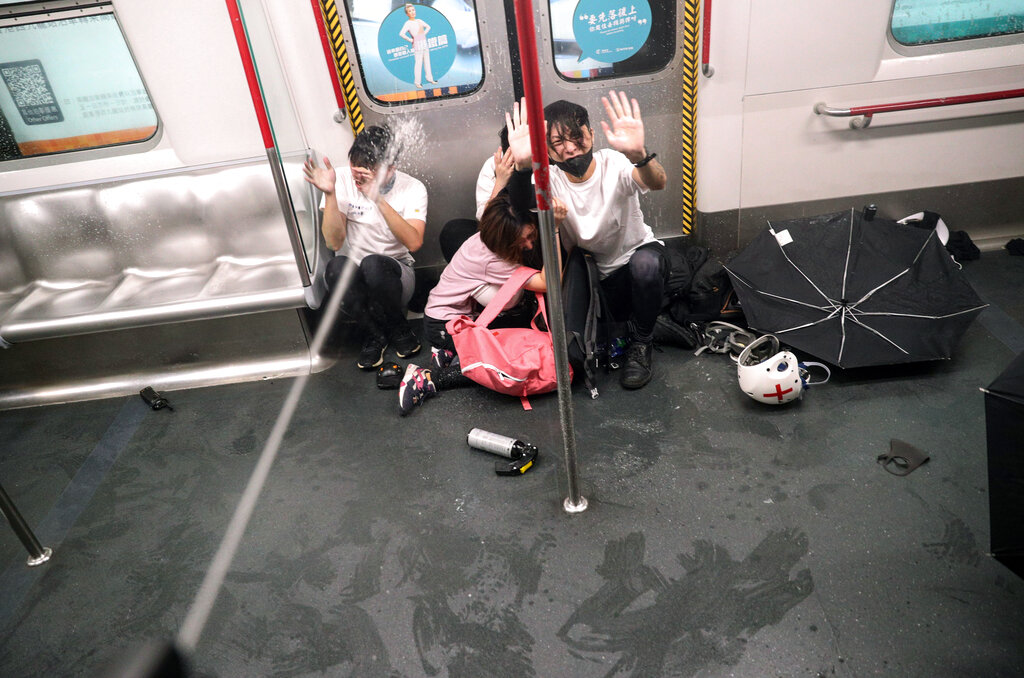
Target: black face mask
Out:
[577,166]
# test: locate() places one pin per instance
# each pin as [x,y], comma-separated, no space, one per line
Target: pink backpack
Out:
[517,361]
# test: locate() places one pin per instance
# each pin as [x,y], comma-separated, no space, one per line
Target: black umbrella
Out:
[854,292]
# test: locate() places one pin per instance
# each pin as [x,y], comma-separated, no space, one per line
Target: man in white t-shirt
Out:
[601,191]
[373,216]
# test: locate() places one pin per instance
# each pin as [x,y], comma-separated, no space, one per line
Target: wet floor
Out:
[722,538]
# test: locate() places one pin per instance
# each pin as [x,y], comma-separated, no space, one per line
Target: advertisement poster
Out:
[417,50]
[590,36]
[71,84]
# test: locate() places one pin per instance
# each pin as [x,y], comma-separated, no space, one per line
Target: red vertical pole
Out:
[325,42]
[705,60]
[527,34]
[250,73]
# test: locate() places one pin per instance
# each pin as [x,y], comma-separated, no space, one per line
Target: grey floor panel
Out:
[723,537]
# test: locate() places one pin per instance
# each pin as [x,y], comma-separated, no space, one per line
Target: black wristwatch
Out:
[649,157]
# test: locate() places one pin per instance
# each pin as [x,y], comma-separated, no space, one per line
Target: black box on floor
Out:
[1004,426]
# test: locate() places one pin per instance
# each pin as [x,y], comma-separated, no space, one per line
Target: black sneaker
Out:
[372,354]
[405,342]
[637,371]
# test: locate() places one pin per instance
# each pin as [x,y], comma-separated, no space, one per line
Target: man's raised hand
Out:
[323,178]
[626,132]
[519,135]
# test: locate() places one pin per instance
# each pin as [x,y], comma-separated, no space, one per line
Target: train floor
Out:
[722,537]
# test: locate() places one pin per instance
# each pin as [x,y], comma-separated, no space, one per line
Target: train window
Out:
[415,51]
[923,22]
[596,39]
[68,83]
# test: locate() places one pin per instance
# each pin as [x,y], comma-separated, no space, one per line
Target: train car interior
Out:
[197,480]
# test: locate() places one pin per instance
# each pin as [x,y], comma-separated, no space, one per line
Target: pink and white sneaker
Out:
[416,387]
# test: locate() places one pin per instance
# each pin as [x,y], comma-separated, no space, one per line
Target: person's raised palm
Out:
[519,135]
[626,133]
[504,165]
[323,178]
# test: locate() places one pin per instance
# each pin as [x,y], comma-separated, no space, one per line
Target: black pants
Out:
[633,293]
[436,333]
[374,299]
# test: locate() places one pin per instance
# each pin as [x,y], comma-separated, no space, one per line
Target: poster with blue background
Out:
[445,62]
[611,30]
[411,29]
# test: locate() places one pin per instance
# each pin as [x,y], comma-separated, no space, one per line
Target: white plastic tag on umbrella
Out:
[783,237]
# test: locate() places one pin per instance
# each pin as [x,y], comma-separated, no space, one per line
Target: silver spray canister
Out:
[499,444]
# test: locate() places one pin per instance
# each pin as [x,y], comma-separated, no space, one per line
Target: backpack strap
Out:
[594,316]
[584,337]
[598,315]
[515,283]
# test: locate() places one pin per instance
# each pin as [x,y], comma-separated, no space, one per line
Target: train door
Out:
[587,48]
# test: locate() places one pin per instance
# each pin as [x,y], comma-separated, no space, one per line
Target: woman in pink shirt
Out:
[507,237]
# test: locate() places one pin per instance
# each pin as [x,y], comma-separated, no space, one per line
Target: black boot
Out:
[637,371]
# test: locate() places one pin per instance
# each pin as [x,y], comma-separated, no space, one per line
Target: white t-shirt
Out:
[367,232]
[484,186]
[604,211]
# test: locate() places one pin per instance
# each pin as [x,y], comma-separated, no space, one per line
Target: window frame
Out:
[411,104]
[949,45]
[41,12]
[671,54]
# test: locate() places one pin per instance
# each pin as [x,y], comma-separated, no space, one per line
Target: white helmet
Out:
[767,374]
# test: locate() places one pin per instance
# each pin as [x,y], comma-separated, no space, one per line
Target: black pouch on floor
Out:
[683,265]
[710,297]
[586,316]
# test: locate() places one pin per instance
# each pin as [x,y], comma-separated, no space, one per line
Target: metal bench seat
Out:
[206,243]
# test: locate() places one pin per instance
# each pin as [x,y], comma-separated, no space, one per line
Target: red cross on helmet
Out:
[767,374]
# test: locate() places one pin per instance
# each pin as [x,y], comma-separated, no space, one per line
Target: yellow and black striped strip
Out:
[348,84]
[691,64]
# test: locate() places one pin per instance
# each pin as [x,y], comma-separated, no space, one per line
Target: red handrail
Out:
[869,111]
[250,74]
[705,55]
[328,53]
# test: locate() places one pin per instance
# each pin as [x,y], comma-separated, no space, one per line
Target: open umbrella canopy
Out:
[854,292]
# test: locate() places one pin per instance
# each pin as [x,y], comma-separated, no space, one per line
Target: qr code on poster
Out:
[31,91]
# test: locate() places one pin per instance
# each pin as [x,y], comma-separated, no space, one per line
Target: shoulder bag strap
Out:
[519,278]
